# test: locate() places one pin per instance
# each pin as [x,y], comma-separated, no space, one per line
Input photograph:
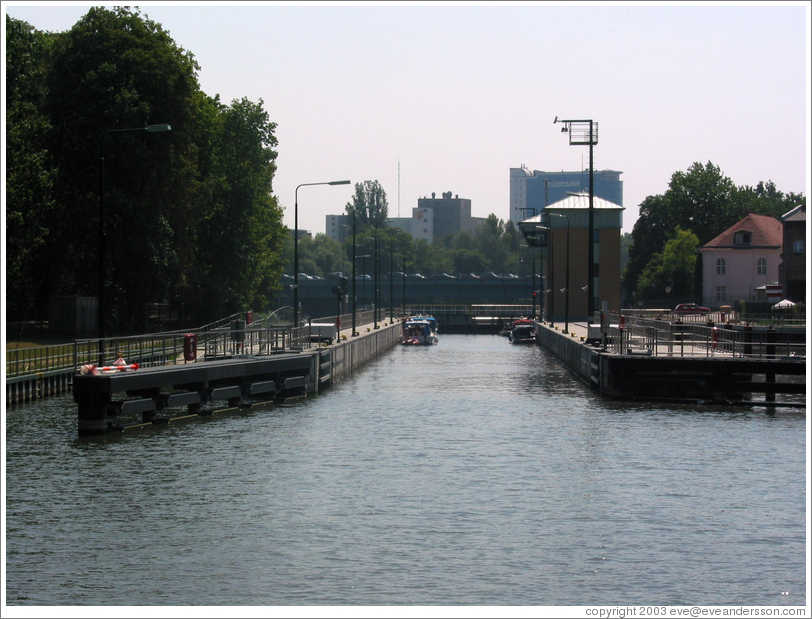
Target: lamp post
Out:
[354,332]
[567,275]
[101,305]
[296,245]
[545,230]
[585,132]
[391,279]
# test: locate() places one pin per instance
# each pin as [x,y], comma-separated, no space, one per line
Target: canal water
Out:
[473,472]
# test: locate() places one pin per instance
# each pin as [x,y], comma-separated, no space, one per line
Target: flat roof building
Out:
[529,193]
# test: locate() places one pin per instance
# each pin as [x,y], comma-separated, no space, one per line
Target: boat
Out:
[523,332]
[417,332]
[508,326]
[431,319]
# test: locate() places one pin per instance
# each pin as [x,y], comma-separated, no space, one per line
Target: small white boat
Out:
[418,332]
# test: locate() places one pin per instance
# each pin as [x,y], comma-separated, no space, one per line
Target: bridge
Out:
[317,298]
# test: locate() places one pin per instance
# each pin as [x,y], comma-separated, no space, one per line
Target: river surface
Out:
[473,472]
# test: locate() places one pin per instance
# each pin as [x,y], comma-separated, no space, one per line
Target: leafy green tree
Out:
[369,205]
[242,237]
[118,70]
[30,171]
[671,273]
[703,201]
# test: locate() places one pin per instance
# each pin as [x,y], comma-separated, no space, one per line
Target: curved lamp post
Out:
[101,305]
[296,245]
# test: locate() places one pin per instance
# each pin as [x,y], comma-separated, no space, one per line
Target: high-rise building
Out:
[532,190]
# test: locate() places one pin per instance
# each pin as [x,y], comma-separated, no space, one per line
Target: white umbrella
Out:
[785,304]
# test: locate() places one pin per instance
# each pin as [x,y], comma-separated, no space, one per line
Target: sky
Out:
[436,97]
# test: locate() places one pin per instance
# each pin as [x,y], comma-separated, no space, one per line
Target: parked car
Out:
[444,276]
[691,308]
[415,275]
[490,275]
[508,276]
[468,276]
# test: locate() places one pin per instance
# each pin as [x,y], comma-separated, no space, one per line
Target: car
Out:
[444,276]
[691,308]
[415,275]
[468,276]
[490,275]
[508,276]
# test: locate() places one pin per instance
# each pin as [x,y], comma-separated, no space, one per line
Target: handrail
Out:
[631,334]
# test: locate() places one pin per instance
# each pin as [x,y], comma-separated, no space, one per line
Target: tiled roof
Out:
[765,232]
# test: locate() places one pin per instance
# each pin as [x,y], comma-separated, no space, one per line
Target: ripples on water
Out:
[472,472]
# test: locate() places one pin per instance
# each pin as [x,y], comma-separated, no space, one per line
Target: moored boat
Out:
[523,332]
[417,332]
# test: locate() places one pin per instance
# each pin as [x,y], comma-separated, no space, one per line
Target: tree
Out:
[30,171]
[368,205]
[703,201]
[671,273]
[240,245]
[116,69]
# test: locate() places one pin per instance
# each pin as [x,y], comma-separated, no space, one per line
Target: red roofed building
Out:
[743,258]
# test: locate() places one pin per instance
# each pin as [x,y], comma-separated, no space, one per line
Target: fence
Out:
[632,334]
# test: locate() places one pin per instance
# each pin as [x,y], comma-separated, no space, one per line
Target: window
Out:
[762,266]
[742,238]
[797,247]
[720,293]
[720,266]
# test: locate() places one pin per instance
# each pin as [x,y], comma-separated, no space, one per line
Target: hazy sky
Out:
[459,93]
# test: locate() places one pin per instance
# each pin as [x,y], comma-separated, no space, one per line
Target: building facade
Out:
[532,190]
[567,251]
[742,259]
[434,218]
[792,274]
[451,214]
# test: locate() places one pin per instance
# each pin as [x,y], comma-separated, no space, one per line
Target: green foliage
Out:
[30,172]
[670,274]
[369,205]
[189,215]
[703,201]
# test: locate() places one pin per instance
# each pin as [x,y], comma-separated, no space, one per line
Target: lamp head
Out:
[158,128]
[339,183]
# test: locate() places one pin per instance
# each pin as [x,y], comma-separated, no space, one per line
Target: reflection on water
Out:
[471,472]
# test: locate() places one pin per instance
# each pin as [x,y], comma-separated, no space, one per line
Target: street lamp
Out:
[296,245]
[567,276]
[101,306]
[585,133]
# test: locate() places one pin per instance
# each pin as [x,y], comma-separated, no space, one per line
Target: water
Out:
[469,473]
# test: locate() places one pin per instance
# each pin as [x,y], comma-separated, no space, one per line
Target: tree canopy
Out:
[188,215]
[703,201]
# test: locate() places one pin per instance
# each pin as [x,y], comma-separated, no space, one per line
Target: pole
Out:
[591,257]
[567,282]
[101,306]
[354,332]
[296,258]
[296,245]
[376,288]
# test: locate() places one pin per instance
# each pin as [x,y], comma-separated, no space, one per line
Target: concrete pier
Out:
[704,375]
[155,395]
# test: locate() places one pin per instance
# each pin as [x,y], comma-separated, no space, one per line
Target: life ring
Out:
[714,338]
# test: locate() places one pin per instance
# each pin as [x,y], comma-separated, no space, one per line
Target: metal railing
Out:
[633,335]
[224,338]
